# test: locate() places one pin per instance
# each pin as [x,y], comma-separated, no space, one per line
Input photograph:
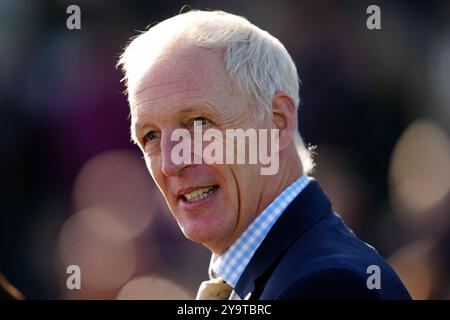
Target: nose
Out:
[172,164]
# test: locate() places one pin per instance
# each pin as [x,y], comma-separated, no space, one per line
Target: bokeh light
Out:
[105,262]
[419,172]
[152,288]
[118,181]
[419,268]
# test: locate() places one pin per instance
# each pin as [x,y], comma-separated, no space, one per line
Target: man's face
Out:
[191,85]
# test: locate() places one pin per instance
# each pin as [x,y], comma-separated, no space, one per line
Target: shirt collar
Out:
[232,263]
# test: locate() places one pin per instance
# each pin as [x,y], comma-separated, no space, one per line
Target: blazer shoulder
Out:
[334,271]
[330,283]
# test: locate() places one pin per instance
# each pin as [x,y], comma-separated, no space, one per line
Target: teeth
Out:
[198,194]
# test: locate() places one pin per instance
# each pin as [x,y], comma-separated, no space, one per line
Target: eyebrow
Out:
[188,109]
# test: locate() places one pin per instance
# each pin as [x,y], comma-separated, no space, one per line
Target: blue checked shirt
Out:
[231,264]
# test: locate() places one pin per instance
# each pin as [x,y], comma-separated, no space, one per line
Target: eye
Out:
[200,122]
[151,135]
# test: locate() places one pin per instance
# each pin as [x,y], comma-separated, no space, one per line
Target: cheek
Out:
[247,184]
[150,168]
[230,176]
[153,165]
[155,172]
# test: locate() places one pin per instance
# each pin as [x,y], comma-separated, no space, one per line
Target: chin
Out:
[200,235]
[205,234]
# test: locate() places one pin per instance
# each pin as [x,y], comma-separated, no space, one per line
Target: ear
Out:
[284,117]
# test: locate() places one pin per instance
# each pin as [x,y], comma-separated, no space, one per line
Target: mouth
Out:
[198,194]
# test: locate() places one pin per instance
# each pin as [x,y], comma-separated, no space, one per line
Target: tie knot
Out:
[215,289]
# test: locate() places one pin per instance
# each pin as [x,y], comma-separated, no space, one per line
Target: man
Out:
[272,236]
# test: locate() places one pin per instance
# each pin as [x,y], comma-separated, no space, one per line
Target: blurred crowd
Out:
[75,190]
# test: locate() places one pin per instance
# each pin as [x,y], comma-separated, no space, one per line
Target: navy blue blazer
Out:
[311,254]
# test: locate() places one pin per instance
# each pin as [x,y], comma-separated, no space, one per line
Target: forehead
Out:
[184,76]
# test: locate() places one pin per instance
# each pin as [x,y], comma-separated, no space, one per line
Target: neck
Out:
[291,169]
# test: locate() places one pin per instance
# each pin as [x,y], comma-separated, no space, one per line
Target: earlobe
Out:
[284,116]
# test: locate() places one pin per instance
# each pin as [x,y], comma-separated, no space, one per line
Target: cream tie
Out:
[215,289]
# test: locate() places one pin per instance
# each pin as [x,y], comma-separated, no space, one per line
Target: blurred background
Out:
[75,190]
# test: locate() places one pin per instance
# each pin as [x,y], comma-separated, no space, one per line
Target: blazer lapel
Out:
[310,206]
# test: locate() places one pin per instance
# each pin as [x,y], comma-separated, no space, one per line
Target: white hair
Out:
[256,62]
